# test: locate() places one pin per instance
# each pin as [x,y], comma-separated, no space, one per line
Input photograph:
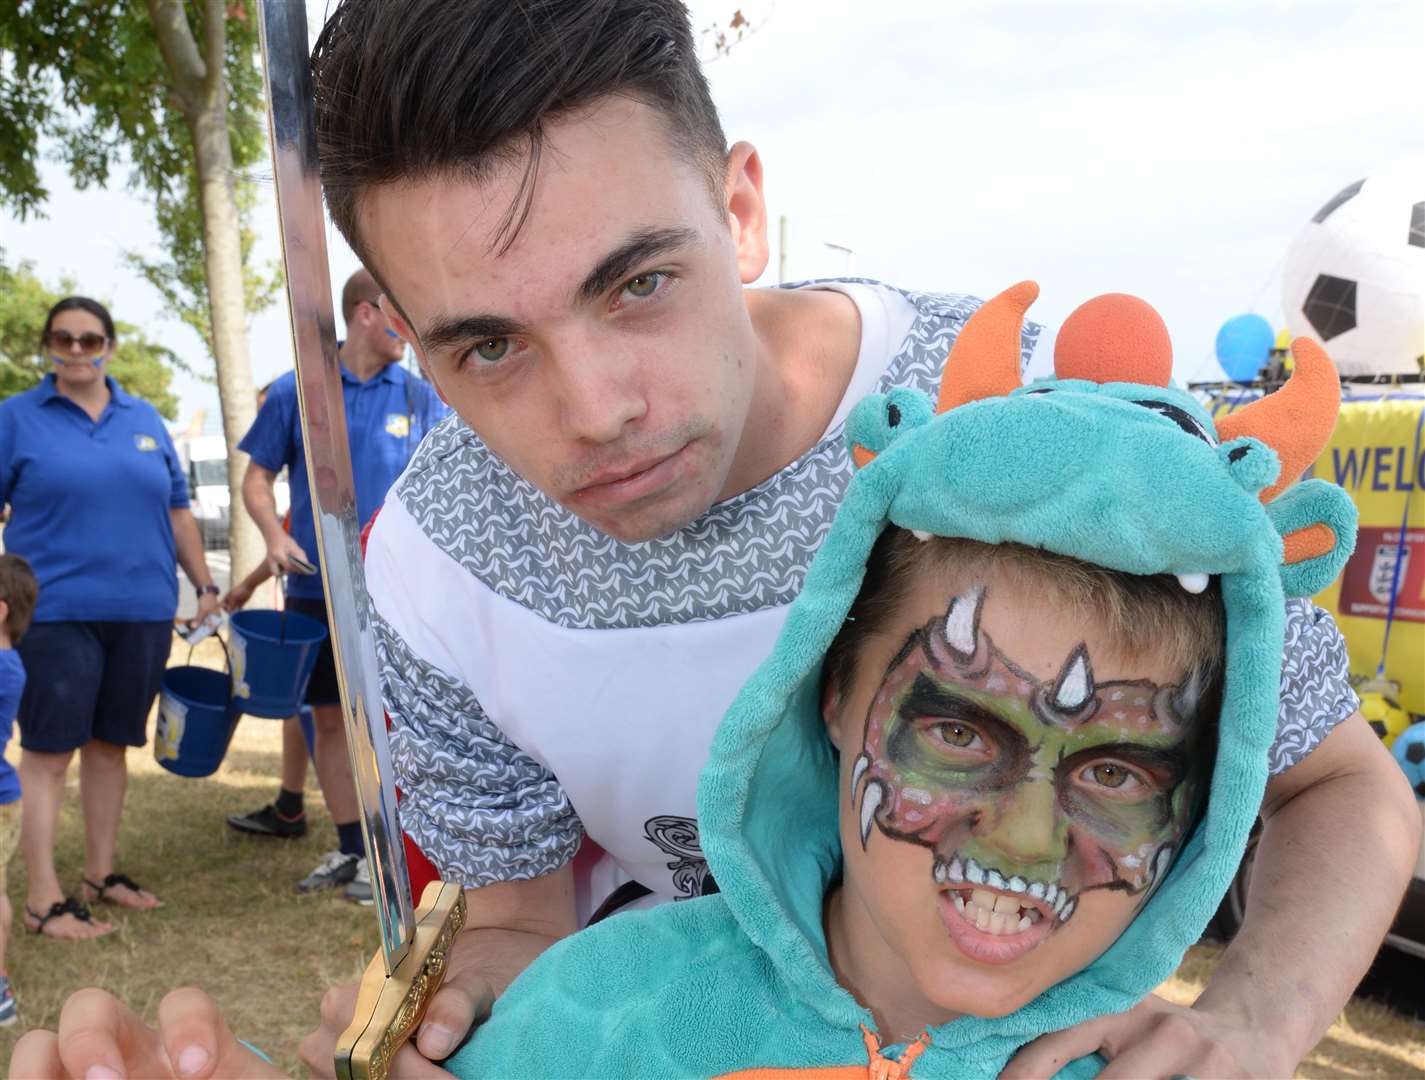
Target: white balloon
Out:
[1371,317]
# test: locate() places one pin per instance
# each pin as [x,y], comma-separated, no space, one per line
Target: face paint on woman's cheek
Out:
[1007,818]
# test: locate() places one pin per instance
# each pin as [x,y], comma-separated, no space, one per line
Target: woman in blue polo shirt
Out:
[99,506]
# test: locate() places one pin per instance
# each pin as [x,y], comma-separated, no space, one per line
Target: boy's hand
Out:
[463,1001]
[101,1038]
[1154,1039]
[236,598]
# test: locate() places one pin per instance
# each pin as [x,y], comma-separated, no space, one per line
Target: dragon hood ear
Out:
[984,361]
[1297,420]
[1316,520]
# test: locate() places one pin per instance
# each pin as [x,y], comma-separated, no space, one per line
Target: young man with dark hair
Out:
[576,574]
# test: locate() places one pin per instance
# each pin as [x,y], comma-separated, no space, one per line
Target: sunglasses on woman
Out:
[88,342]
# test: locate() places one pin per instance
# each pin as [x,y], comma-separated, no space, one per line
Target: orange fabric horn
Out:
[1297,420]
[985,359]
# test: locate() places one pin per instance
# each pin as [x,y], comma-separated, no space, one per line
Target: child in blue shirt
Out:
[18,592]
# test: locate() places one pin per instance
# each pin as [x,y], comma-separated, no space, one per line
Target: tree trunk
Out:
[222,249]
[200,87]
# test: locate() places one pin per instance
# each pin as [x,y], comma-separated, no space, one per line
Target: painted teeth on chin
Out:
[994,879]
[973,873]
[1017,884]
[1037,890]
[956,870]
[940,869]
[1059,901]
[1068,910]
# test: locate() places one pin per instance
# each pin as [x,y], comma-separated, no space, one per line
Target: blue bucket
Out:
[195,720]
[273,654]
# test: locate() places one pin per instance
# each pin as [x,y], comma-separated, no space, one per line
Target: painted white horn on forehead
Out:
[962,622]
[1074,686]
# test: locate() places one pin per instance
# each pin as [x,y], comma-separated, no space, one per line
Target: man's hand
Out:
[1154,1039]
[462,1002]
[207,605]
[236,598]
[280,551]
[100,1036]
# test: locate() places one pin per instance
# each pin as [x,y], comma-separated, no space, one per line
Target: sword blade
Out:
[292,126]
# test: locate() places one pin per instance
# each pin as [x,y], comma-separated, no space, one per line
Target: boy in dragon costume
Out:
[991,803]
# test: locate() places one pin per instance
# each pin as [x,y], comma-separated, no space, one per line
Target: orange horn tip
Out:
[1295,421]
[1114,338]
[985,359]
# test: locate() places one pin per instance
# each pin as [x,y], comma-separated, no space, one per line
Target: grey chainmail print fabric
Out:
[1316,690]
[746,554]
[478,807]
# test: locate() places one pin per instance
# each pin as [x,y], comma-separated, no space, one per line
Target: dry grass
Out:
[233,924]
[231,921]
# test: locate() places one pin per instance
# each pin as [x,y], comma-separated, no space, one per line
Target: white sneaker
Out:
[359,889]
[334,869]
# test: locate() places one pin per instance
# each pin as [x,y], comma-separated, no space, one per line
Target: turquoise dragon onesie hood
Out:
[1106,462]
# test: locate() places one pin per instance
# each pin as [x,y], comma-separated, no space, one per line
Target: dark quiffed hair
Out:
[20,590]
[410,90]
[79,303]
[1143,615]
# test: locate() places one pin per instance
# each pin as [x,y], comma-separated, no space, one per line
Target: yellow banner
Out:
[1377,453]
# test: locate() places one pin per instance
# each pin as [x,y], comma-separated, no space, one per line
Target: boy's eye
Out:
[1110,774]
[960,736]
[643,285]
[492,350]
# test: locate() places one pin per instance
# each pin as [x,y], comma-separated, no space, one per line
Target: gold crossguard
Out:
[388,1009]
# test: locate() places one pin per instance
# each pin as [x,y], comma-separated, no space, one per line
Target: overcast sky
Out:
[1169,149]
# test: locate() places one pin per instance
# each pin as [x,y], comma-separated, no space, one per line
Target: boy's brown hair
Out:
[20,590]
[1142,615]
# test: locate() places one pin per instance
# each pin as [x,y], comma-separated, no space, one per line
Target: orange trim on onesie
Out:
[877,1066]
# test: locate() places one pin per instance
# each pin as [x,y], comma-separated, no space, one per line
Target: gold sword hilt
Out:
[389,1008]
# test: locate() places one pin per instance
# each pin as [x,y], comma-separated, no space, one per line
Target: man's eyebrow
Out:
[448,330]
[619,263]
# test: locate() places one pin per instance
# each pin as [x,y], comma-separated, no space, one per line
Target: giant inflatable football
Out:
[1355,274]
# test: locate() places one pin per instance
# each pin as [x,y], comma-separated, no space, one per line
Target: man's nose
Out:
[599,397]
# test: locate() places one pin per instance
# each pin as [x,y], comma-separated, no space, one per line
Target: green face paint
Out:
[1046,789]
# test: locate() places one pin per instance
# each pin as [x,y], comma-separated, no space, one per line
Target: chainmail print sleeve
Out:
[479,808]
[1316,692]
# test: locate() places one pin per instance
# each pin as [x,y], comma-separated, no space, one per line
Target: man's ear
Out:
[399,324]
[4,612]
[747,210]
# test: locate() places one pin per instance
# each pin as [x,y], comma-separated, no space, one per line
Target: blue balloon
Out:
[1243,345]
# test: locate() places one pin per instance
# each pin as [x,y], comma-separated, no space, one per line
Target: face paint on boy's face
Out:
[1029,793]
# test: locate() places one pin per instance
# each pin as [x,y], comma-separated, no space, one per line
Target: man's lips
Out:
[634,480]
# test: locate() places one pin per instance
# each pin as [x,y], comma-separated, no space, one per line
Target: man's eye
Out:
[644,285]
[492,350]
[1110,774]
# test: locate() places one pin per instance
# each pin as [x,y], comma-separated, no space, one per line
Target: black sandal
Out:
[110,882]
[68,906]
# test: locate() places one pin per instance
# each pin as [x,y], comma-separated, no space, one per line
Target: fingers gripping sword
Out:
[401,979]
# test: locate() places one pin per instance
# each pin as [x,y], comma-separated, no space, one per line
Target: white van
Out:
[205,457]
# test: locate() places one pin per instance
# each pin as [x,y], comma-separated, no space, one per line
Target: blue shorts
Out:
[323,689]
[90,680]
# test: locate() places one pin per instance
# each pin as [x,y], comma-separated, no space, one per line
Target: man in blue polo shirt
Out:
[388,410]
